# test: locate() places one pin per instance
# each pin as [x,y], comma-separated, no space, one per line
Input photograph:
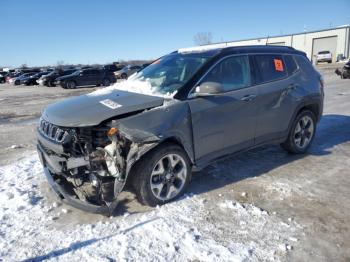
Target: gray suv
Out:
[207,104]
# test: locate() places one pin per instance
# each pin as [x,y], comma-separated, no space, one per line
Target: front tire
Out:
[162,176]
[106,82]
[301,134]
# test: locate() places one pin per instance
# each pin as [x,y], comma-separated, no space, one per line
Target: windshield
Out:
[171,72]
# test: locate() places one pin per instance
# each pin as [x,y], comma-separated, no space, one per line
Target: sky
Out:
[38,32]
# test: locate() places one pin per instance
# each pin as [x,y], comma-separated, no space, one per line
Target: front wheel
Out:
[106,82]
[162,176]
[301,134]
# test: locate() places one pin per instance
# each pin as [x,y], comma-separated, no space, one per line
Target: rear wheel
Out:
[71,85]
[162,176]
[301,134]
[124,76]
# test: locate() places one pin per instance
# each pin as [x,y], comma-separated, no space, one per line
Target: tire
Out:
[106,82]
[301,134]
[154,187]
[124,76]
[71,85]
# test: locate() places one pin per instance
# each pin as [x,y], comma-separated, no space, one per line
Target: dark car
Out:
[86,77]
[32,80]
[111,67]
[344,72]
[3,76]
[49,79]
[209,104]
[18,80]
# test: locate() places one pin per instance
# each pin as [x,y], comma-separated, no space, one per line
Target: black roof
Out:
[250,49]
[262,49]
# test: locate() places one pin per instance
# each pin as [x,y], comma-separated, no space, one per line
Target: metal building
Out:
[336,40]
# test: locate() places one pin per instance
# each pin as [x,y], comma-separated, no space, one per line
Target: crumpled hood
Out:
[93,108]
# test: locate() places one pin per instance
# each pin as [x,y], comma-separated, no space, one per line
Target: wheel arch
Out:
[173,140]
[314,106]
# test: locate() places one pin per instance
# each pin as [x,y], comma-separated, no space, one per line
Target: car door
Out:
[277,96]
[225,122]
[88,77]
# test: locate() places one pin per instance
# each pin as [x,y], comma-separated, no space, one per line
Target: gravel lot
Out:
[308,195]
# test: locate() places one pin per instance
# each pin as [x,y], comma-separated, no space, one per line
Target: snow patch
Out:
[134,86]
[28,228]
[31,227]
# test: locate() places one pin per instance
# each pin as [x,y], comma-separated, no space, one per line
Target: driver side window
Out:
[232,73]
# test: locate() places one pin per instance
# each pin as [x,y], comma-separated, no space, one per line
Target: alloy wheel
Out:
[168,177]
[304,132]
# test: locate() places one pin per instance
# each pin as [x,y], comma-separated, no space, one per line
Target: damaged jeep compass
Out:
[179,114]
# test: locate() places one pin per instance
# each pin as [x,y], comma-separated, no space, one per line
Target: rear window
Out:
[270,68]
[291,65]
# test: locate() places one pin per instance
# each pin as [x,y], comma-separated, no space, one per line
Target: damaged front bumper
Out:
[52,167]
[92,178]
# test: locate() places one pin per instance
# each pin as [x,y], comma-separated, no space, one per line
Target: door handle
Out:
[248,98]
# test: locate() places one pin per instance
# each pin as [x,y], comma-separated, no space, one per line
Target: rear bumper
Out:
[52,169]
[324,60]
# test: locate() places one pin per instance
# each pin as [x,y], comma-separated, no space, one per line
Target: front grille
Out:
[51,131]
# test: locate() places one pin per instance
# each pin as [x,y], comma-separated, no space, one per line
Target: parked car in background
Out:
[49,79]
[32,80]
[344,72]
[18,80]
[111,67]
[127,71]
[3,77]
[86,77]
[324,56]
[10,76]
[223,101]
[144,65]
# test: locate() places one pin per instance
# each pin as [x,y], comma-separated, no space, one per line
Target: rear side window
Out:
[270,68]
[291,65]
[304,64]
[232,73]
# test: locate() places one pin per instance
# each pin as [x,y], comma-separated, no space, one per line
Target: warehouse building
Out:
[336,40]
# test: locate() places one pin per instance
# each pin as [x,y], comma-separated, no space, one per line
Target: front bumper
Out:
[53,166]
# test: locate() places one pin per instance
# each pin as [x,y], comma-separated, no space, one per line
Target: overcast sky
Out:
[38,32]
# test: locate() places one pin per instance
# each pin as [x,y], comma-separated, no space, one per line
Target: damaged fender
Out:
[148,129]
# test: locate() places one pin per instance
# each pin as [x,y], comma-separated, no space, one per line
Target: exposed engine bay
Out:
[90,164]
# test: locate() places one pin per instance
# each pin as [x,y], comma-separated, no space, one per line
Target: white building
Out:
[336,40]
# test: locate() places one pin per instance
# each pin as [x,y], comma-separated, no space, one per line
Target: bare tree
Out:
[203,38]
[23,66]
[60,64]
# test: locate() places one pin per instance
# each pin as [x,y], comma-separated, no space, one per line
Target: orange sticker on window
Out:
[278,65]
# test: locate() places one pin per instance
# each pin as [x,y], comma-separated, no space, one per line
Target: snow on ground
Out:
[184,230]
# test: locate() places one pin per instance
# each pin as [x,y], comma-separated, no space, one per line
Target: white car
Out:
[324,56]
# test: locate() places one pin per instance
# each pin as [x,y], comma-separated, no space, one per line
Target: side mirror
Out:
[208,89]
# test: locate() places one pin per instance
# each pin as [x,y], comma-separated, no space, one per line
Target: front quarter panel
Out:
[170,121]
